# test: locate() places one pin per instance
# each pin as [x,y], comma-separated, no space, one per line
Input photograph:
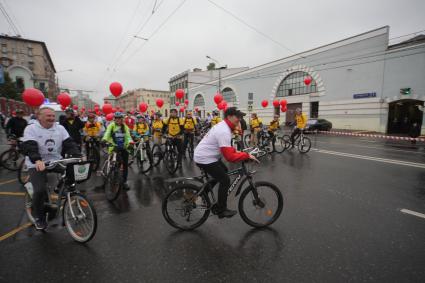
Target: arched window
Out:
[294,84]
[229,95]
[199,101]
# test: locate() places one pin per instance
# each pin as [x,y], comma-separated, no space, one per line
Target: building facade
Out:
[29,64]
[83,100]
[189,79]
[131,100]
[358,83]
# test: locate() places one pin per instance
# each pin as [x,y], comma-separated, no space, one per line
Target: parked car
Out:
[318,125]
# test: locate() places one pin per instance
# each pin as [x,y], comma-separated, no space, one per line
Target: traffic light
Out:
[406,91]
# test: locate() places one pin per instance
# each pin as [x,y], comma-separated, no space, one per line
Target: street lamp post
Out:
[57,78]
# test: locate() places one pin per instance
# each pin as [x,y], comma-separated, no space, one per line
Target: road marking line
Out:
[8,181]
[14,231]
[372,147]
[384,160]
[12,194]
[411,212]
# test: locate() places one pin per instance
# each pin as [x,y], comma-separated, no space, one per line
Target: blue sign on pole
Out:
[1,75]
[364,95]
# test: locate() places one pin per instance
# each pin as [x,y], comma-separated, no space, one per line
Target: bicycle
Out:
[170,156]
[270,143]
[78,213]
[112,174]
[190,149]
[11,159]
[193,202]
[142,154]
[302,142]
[93,151]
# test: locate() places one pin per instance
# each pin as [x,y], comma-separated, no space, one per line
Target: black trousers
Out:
[294,134]
[124,156]
[177,142]
[218,171]
[188,138]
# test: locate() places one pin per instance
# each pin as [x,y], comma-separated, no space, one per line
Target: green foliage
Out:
[211,66]
[8,88]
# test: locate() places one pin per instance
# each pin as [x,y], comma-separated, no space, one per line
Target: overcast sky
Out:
[90,36]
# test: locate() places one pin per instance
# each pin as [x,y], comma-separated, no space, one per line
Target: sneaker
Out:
[125,187]
[227,213]
[40,224]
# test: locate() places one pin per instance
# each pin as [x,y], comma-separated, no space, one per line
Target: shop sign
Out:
[364,95]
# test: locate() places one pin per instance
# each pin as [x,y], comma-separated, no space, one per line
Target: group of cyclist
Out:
[45,140]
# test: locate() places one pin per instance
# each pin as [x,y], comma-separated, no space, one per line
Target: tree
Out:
[211,66]
[8,88]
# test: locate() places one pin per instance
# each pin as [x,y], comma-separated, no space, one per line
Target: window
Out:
[293,84]
[250,96]
[31,65]
[30,52]
[20,84]
[5,62]
[4,48]
[42,86]
[229,95]
[199,101]
[314,109]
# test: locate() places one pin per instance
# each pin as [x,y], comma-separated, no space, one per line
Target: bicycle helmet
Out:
[140,116]
[69,110]
[118,115]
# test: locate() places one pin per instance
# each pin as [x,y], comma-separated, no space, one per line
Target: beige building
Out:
[29,64]
[131,99]
[83,100]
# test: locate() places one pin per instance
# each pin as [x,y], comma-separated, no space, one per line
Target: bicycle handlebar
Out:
[63,162]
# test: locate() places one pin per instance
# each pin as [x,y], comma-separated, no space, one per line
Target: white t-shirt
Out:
[49,141]
[208,150]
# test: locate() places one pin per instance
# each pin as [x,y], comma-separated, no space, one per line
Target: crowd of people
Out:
[44,139]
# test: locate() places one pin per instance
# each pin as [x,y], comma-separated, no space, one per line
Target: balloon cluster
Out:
[219,100]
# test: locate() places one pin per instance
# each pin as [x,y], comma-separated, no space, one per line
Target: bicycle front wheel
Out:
[262,205]
[144,160]
[11,159]
[184,209]
[113,183]
[80,218]
[247,140]
[304,145]
[279,145]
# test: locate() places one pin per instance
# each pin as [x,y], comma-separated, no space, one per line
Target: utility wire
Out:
[9,20]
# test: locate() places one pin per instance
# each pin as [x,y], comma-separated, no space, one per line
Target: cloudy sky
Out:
[95,37]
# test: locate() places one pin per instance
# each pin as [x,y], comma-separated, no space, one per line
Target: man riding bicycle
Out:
[118,135]
[209,151]
[255,126]
[301,122]
[173,127]
[92,129]
[44,141]
[273,127]
[16,125]
[189,125]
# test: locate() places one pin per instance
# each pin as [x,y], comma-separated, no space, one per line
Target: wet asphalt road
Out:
[341,223]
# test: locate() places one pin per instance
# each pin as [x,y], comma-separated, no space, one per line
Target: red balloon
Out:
[177,103]
[63,107]
[83,109]
[276,103]
[182,109]
[107,108]
[218,98]
[64,99]
[110,116]
[114,109]
[33,97]
[222,105]
[196,109]
[143,107]
[75,107]
[115,88]
[186,101]
[159,102]
[283,102]
[180,93]
[307,80]
[264,103]
[283,109]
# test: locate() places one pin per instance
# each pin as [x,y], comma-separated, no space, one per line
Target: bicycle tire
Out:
[267,212]
[10,159]
[279,145]
[191,151]
[171,162]
[148,161]
[81,202]
[112,183]
[167,200]
[304,145]
[287,141]
[23,173]
[247,140]
[157,154]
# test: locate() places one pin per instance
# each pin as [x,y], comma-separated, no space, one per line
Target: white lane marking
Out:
[384,160]
[411,212]
[373,147]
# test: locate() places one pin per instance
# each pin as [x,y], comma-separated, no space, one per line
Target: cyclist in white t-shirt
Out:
[217,142]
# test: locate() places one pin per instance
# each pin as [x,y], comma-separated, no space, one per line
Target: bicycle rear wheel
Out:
[171,161]
[156,154]
[11,159]
[304,145]
[184,209]
[94,155]
[112,183]
[191,151]
[263,210]
[80,218]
